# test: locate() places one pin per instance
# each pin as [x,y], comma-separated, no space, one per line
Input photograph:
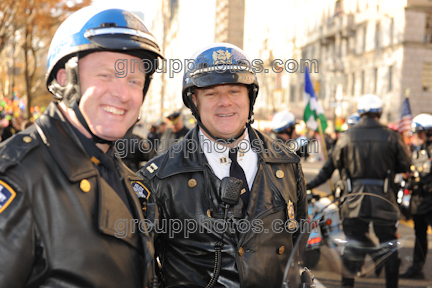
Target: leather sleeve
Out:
[336,155]
[302,210]
[403,159]
[17,237]
[301,194]
[324,174]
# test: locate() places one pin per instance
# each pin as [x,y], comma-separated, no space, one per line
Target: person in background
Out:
[162,128]
[174,133]
[136,151]
[369,155]
[421,197]
[283,125]
[25,124]
[153,136]
[328,168]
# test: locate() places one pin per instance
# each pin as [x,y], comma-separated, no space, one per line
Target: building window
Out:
[352,84]
[427,76]
[377,35]
[278,81]
[173,8]
[390,78]
[375,74]
[363,48]
[391,30]
[345,85]
[362,82]
[428,28]
[292,93]
[351,46]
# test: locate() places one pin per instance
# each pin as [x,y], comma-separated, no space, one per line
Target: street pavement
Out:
[310,170]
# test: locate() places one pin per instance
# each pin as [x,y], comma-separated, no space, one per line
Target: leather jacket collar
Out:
[71,163]
[367,122]
[194,160]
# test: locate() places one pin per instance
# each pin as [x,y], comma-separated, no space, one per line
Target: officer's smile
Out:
[225,115]
[113,110]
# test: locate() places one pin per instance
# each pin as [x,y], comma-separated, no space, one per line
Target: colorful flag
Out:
[405,120]
[313,110]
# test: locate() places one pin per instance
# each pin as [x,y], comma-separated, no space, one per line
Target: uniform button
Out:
[281,250]
[241,251]
[209,213]
[192,183]
[85,185]
[27,139]
[279,174]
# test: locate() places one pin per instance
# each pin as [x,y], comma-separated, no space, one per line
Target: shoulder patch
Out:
[7,194]
[140,190]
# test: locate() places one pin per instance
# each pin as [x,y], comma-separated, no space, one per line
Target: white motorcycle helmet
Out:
[353,119]
[421,122]
[368,104]
[282,121]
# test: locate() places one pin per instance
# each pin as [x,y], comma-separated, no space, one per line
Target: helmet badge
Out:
[222,57]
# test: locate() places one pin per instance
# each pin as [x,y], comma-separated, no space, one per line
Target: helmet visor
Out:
[224,75]
[118,38]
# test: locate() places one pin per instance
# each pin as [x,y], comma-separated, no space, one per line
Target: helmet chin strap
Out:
[222,140]
[428,136]
[231,140]
[95,139]
[195,112]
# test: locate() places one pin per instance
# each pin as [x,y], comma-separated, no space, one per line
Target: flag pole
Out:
[406,133]
[323,144]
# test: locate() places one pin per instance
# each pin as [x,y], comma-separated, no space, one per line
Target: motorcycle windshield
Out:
[342,248]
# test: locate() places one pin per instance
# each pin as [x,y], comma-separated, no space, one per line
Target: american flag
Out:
[404,123]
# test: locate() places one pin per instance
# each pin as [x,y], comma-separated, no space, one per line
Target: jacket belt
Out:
[368,182]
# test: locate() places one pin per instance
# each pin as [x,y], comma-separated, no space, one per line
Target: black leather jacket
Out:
[368,153]
[324,174]
[421,198]
[60,229]
[186,190]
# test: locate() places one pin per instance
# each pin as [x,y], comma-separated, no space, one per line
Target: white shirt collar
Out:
[217,157]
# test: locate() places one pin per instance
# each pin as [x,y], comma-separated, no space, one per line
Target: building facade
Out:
[356,47]
[364,46]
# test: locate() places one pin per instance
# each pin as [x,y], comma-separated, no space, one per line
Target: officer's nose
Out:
[224,99]
[120,89]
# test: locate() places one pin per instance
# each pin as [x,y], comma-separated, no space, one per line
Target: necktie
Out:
[237,171]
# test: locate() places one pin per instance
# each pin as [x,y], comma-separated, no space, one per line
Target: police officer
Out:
[421,197]
[62,191]
[176,131]
[283,125]
[327,170]
[370,154]
[186,184]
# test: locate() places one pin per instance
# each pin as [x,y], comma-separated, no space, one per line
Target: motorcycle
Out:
[343,257]
[326,223]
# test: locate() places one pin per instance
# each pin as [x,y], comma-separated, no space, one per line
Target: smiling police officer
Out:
[61,188]
[190,189]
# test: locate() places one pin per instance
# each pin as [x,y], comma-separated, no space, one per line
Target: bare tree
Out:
[33,23]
